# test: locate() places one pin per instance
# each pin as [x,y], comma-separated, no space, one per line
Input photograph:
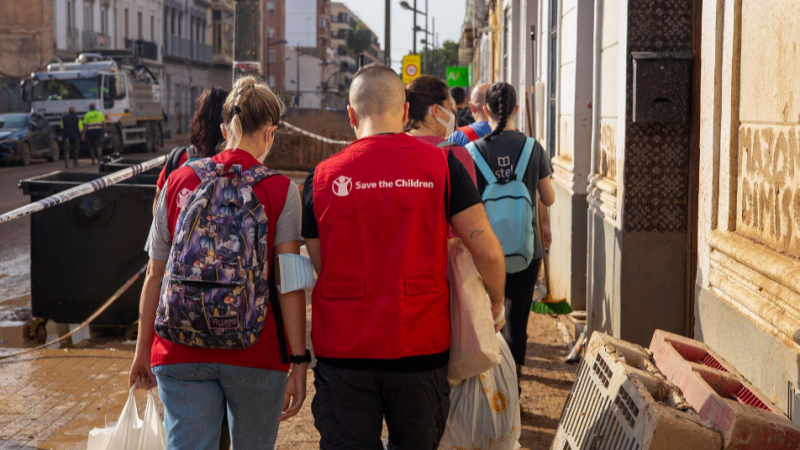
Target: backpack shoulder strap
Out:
[481,164]
[445,144]
[524,158]
[257,173]
[173,161]
[469,132]
[204,167]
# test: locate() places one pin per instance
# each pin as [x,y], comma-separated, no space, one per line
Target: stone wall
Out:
[748,298]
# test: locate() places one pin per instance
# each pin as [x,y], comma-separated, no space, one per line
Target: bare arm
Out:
[140,370]
[293,310]
[472,225]
[312,245]
[547,237]
[546,193]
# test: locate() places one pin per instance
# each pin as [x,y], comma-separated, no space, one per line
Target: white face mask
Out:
[450,125]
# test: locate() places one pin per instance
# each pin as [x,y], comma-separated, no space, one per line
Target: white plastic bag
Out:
[473,348]
[484,410]
[130,432]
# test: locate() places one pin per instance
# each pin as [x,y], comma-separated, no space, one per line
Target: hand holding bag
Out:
[130,432]
[473,346]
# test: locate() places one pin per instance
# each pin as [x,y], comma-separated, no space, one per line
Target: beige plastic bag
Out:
[484,410]
[130,432]
[473,347]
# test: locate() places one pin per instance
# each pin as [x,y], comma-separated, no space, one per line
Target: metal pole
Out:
[432,37]
[427,39]
[268,61]
[387,40]
[297,97]
[247,32]
[415,28]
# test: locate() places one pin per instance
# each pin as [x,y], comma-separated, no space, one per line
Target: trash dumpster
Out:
[108,165]
[83,250]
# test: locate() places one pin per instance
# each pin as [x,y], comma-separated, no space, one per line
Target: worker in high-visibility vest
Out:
[94,128]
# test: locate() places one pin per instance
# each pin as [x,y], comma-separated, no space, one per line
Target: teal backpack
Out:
[510,209]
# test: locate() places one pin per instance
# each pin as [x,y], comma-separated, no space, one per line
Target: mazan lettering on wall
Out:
[768,200]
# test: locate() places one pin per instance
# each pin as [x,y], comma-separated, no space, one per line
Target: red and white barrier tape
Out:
[83,189]
[315,136]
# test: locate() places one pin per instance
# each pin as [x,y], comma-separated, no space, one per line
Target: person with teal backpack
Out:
[511,170]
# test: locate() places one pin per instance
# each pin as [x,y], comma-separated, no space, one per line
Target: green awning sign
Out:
[458,76]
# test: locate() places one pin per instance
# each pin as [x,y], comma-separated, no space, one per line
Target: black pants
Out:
[71,146]
[519,294]
[95,147]
[350,405]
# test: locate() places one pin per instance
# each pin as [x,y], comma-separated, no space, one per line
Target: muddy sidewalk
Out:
[51,399]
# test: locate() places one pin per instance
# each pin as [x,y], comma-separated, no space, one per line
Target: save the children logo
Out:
[342,186]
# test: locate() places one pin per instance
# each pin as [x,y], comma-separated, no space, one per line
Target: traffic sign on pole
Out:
[458,76]
[411,68]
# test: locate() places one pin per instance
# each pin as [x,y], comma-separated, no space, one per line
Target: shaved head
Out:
[376,90]
[477,101]
[479,94]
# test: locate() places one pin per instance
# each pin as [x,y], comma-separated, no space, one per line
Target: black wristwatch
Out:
[294,359]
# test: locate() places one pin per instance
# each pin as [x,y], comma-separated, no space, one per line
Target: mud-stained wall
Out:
[768,200]
[748,297]
[607,162]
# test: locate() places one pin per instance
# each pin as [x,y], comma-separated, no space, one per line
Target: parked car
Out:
[27,135]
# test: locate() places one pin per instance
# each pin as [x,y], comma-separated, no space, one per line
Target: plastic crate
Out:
[721,395]
[621,402]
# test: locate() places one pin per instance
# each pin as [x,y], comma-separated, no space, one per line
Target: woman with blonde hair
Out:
[213,363]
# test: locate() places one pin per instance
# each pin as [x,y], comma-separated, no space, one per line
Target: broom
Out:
[547,304]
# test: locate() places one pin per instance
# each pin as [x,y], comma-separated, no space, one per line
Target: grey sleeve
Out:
[159,242]
[288,227]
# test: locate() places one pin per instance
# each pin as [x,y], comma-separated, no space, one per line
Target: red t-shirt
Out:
[265,353]
[162,177]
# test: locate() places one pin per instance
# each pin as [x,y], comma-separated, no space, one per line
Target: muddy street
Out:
[15,245]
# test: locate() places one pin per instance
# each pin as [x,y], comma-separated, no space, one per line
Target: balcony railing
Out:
[88,39]
[73,39]
[143,49]
[203,52]
[178,46]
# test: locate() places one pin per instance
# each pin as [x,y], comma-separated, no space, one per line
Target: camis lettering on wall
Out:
[768,195]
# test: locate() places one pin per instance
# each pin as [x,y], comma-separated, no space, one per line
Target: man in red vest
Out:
[375,220]
[480,128]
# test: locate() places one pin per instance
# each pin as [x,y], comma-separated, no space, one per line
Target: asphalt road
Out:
[15,244]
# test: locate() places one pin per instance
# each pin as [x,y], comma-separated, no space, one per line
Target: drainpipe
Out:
[593,158]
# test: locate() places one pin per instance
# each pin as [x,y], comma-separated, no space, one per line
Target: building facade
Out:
[221,16]
[188,58]
[338,85]
[747,292]
[23,49]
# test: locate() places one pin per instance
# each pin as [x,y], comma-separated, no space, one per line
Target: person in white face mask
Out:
[431,117]
[224,380]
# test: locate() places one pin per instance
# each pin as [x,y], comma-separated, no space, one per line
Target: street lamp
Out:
[404,4]
[270,44]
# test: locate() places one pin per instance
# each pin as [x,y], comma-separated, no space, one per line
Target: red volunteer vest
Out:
[469,132]
[382,292]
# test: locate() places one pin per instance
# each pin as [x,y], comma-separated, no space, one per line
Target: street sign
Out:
[458,76]
[411,68]
[242,68]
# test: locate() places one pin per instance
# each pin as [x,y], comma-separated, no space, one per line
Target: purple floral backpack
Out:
[216,288]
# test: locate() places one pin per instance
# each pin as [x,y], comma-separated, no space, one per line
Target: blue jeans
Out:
[194,397]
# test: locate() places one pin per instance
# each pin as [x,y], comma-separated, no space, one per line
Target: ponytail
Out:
[249,107]
[501,98]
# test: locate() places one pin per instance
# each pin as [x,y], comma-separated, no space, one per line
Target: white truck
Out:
[126,92]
